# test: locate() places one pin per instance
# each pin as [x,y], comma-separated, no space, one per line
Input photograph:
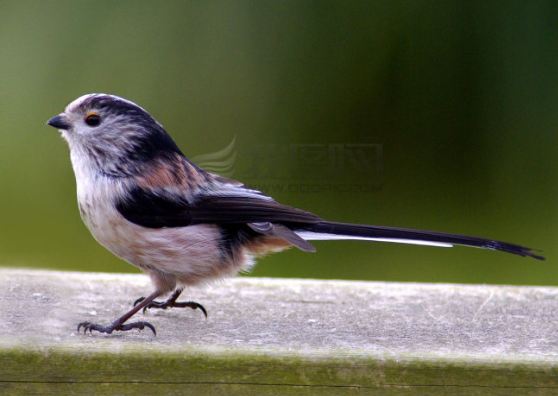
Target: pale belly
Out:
[189,255]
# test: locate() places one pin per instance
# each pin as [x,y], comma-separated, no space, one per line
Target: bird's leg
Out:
[118,324]
[170,303]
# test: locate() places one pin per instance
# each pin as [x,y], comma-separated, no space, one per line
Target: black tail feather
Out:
[370,231]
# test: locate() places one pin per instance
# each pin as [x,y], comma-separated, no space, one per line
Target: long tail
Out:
[331,230]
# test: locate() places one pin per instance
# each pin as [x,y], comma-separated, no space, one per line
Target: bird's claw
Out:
[114,327]
[171,304]
[138,301]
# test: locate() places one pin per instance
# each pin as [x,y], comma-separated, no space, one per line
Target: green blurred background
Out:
[461,96]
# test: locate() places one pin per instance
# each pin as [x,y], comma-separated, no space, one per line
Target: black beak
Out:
[58,122]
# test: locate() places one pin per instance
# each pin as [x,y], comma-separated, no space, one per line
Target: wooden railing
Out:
[277,336]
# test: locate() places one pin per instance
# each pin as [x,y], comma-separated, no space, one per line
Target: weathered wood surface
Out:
[277,336]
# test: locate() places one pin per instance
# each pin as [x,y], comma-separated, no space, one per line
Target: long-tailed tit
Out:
[143,200]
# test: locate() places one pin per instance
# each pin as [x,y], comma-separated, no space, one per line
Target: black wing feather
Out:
[158,210]
[152,210]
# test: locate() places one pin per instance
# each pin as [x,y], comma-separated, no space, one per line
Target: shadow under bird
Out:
[143,200]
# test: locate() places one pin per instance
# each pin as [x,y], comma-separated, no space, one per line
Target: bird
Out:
[148,204]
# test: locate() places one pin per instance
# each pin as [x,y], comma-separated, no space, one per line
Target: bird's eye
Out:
[92,119]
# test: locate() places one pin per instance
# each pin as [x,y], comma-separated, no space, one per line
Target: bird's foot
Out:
[169,303]
[114,327]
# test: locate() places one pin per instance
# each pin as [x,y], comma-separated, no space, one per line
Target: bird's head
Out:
[112,133]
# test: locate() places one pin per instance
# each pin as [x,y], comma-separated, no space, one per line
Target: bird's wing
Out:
[240,206]
[159,209]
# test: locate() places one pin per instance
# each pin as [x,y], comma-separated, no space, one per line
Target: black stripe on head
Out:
[115,105]
[151,141]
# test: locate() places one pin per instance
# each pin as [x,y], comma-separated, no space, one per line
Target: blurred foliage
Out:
[462,97]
